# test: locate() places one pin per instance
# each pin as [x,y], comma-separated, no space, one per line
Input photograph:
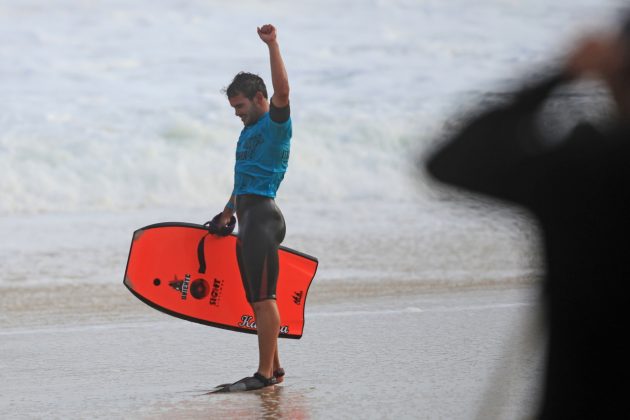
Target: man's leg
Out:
[268,327]
[278,372]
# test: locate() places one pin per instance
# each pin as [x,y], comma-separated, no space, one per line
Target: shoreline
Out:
[426,355]
[80,303]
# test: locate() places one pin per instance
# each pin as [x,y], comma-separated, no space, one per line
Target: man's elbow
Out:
[280,98]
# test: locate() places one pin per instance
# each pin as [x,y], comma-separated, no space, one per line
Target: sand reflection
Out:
[275,402]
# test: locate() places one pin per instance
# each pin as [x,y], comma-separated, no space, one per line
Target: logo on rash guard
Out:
[248,147]
[285,156]
[248,321]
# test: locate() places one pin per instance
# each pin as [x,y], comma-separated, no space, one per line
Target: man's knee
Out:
[266,305]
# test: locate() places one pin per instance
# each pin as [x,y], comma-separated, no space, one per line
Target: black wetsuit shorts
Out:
[261,229]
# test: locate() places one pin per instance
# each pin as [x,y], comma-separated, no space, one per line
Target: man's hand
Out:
[222,224]
[225,217]
[599,56]
[604,57]
[267,33]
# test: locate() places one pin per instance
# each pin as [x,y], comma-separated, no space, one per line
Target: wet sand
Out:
[413,354]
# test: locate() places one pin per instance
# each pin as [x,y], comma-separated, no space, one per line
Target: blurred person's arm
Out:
[493,153]
[500,152]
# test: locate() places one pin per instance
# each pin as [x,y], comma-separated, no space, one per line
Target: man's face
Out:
[248,110]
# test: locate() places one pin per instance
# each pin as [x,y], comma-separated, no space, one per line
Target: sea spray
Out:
[108,107]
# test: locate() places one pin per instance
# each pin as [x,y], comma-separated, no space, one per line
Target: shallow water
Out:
[422,245]
[113,119]
[433,355]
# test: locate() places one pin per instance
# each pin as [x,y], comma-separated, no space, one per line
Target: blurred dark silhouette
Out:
[579,191]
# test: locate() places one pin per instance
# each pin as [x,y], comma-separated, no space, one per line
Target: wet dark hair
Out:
[247,84]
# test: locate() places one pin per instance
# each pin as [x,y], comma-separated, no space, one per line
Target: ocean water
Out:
[405,357]
[112,117]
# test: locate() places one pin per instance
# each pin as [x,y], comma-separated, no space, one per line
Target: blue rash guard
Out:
[262,157]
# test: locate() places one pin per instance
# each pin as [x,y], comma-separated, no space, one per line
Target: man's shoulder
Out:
[271,123]
[277,131]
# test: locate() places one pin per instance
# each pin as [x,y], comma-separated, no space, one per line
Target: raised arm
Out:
[279,77]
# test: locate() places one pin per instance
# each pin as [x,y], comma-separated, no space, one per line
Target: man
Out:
[579,190]
[262,155]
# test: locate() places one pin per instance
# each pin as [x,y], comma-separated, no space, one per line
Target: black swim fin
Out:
[249,383]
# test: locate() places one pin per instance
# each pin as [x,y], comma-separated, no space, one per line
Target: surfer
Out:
[578,189]
[262,156]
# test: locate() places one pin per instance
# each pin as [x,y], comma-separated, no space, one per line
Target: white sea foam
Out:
[112,118]
[117,105]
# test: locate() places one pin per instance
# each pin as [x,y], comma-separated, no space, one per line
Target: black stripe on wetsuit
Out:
[261,229]
[279,115]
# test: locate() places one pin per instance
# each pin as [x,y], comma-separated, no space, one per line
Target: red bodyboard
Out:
[164,270]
